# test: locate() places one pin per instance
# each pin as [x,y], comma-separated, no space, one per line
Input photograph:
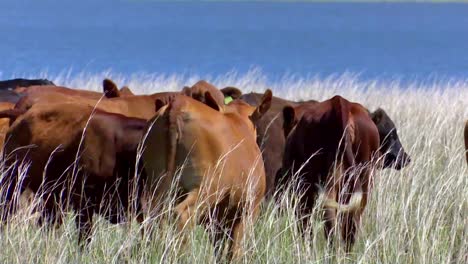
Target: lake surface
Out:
[384,40]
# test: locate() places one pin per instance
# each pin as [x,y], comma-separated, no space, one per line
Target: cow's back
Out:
[138,106]
[36,89]
[44,131]
[209,144]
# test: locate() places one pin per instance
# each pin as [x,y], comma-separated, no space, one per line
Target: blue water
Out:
[386,40]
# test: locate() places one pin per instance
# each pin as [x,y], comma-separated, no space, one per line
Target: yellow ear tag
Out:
[227,100]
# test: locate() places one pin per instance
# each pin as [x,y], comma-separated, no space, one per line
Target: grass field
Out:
[416,215]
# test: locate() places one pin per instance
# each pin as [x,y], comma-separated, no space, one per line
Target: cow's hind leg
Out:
[247,217]
[84,222]
[186,214]
[330,219]
[10,191]
[349,228]
[330,225]
[50,213]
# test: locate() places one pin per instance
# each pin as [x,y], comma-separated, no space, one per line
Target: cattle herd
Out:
[221,152]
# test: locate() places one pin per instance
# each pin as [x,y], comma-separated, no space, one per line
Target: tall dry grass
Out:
[416,215]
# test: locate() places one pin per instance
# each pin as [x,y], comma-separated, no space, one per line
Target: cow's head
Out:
[198,92]
[232,92]
[251,113]
[390,145]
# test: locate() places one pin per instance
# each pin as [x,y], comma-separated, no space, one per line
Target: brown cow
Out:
[58,94]
[272,142]
[269,130]
[43,93]
[7,93]
[78,156]
[109,88]
[140,106]
[222,170]
[33,94]
[37,90]
[336,142]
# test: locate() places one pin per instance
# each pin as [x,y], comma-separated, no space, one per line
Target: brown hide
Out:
[49,137]
[319,134]
[38,90]
[270,134]
[272,141]
[139,106]
[222,165]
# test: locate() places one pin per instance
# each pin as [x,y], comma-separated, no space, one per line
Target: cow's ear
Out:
[125,91]
[110,89]
[263,107]
[376,116]
[290,119]
[232,92]
[158,104]
[211,102]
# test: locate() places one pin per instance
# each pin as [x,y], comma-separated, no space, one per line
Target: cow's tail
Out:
[345,152]
[173,135]
[466,141]
[167,124]
[353,205]
[345,130]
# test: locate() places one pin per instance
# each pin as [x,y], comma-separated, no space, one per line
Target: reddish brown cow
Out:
[269,129]
[109,88]
[272,141]
[6,87]
[78,156]
[48,94]
[336,142]
[52,94]
[140,106]
[222,170]
[38,90]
